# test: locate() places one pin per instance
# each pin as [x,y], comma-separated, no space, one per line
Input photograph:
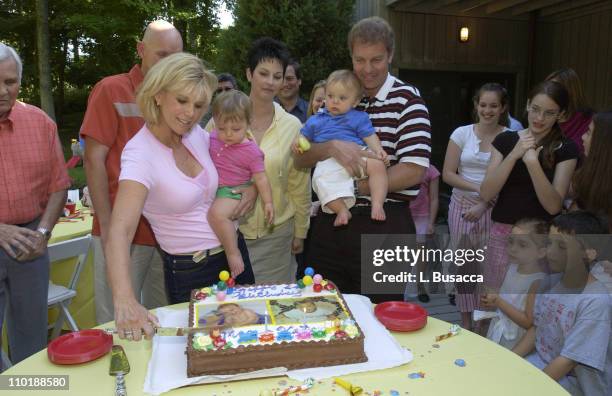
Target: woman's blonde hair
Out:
[319,84]
[231,105]
[179,72]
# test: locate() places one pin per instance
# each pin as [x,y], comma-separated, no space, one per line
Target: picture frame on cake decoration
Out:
[306,310]
[231,314]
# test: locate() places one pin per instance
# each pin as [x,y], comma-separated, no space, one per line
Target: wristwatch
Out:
[45,232]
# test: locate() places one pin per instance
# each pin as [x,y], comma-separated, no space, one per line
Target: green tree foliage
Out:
[314,30]
[91,39]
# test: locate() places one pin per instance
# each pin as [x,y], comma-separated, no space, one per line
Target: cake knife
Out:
[172,331]
[119,368]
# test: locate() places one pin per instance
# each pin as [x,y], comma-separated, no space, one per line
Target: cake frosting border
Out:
[351,349]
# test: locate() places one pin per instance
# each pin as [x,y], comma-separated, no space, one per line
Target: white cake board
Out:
[167,368]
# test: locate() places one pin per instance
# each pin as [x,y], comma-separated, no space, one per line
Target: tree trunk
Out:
[62,80]
[75,49]
[44,68]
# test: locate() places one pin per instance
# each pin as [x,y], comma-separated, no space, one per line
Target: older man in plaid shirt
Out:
[33,183]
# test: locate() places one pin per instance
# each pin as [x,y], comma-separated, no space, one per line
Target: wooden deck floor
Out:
[439,307]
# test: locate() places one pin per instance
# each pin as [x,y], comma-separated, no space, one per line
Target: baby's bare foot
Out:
[342,218]
[378,213]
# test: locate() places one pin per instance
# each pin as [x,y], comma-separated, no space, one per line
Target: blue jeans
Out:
[182,274]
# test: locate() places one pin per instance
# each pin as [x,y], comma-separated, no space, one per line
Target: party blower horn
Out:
[353,389]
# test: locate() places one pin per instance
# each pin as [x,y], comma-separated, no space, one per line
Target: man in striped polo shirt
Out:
[111,120]
[401,120]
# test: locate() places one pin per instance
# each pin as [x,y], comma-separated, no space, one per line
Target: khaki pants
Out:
[271,256]
[146,271]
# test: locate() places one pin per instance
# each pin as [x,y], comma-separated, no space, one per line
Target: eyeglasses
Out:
[546,114]
[223,89]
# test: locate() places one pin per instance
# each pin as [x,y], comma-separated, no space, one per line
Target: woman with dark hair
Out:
[575,122]
[271,247]
[529,171]
[467,156]
[592,182]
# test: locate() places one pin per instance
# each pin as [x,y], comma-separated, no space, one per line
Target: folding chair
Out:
[59,295]
[6,363]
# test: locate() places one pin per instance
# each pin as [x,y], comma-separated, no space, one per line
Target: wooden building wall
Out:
[430,42]
[583,43]
[580,39]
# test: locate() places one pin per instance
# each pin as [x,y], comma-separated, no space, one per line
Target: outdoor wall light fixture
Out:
[464,34]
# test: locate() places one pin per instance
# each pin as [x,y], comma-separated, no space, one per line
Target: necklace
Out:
[181,155]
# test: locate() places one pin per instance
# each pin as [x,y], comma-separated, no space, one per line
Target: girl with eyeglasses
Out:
[530,172]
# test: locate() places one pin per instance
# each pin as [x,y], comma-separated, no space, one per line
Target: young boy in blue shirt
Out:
[340,121]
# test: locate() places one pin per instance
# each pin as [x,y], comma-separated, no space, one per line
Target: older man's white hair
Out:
[7,52]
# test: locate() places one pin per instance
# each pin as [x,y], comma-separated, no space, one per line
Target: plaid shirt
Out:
[32,164]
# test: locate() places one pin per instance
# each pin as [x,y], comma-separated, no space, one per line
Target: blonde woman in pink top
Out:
[167,175]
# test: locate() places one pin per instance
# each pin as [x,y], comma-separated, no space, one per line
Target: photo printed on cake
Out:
[232,314]
[306,310]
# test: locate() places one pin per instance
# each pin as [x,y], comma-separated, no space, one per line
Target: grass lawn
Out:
[68,130]
[77,175]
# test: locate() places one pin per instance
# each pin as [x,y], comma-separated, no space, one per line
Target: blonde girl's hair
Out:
[232,105]
[319,84]
[180,72]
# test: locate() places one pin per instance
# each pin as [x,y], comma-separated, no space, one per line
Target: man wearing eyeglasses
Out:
[289,94]
[227,82]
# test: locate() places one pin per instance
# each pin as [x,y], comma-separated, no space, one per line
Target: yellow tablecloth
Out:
[82,306]
[490,370]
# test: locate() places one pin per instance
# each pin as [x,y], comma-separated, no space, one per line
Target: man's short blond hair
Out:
[347,79]
[372,30]
[180,72]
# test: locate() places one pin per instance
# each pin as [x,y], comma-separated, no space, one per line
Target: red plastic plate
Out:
[79,347]
[401,316]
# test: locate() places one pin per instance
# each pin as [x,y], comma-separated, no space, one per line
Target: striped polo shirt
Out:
[401,120]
